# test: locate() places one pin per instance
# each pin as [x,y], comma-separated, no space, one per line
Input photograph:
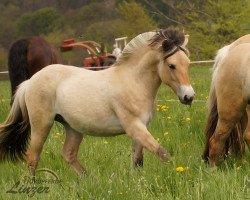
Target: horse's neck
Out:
[143,70]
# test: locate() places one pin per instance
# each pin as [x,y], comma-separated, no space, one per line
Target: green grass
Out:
[179,128]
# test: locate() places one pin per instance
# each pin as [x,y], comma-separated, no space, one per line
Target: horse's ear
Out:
[186,40]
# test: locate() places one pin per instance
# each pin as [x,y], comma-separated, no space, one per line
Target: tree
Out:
[134,20]
[42,21]
[212,24]
[9,13]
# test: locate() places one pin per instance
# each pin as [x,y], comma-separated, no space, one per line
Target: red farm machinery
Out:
[94,57]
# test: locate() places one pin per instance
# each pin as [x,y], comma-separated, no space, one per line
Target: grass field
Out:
[177,127]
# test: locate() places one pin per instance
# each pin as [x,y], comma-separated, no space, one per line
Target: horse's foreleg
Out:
[139,133]
[70,149]
[247,134]
[137,154]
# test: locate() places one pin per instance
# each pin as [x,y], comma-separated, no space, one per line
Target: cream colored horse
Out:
[228,105]
[114,101]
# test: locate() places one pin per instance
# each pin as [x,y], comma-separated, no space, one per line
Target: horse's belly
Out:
[108,126]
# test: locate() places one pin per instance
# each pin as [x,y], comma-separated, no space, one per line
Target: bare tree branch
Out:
[160,13]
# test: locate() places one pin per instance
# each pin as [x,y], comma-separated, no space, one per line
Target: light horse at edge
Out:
[228,115]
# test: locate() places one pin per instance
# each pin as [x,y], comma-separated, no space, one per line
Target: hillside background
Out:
[211,24]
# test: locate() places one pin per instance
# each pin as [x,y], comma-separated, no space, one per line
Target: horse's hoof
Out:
[82,172]
[162,153]
[32,170]
[138,163]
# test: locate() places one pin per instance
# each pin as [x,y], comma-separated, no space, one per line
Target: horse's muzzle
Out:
[186,94]
[187,100]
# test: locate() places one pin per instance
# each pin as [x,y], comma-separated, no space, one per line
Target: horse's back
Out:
[241,40]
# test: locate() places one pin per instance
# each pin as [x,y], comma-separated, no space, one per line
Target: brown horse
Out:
[27,56]
[122,102]
[228,103]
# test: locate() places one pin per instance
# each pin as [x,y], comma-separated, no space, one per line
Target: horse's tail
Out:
[234,143]
[212,119]
[17,63]
[15,131]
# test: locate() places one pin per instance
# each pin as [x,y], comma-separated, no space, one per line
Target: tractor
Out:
[97,57]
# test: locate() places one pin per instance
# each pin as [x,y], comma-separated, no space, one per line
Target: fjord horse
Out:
[27,56]
[228,103]
[123,101]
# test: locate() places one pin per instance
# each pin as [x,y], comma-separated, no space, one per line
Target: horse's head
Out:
[173,67]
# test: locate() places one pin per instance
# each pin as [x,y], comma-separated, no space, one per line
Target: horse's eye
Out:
[171,66]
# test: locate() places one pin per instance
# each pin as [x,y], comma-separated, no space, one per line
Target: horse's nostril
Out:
[188,99]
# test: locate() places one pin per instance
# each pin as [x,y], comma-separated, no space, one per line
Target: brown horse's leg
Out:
[70,149]
[227,119]
[39,133]
[247,134]
[137,154]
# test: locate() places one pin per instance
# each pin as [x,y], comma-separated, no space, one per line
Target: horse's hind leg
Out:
[228,117]
[39,132]
[247,134]
[137,154]
[70,149]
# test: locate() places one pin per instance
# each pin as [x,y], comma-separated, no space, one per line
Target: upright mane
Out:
[168,41]
[139,41]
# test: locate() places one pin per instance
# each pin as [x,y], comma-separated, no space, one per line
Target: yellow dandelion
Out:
[164,108]
[188,119]
[165,134]
[168,118]
[181,169]
[158,139]
[105,142]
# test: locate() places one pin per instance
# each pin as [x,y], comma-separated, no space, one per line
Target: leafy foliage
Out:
[210,23]
[134,19]
[213,24]
[43,21]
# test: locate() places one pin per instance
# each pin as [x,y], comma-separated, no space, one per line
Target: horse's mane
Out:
[168,41]
[136,43]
